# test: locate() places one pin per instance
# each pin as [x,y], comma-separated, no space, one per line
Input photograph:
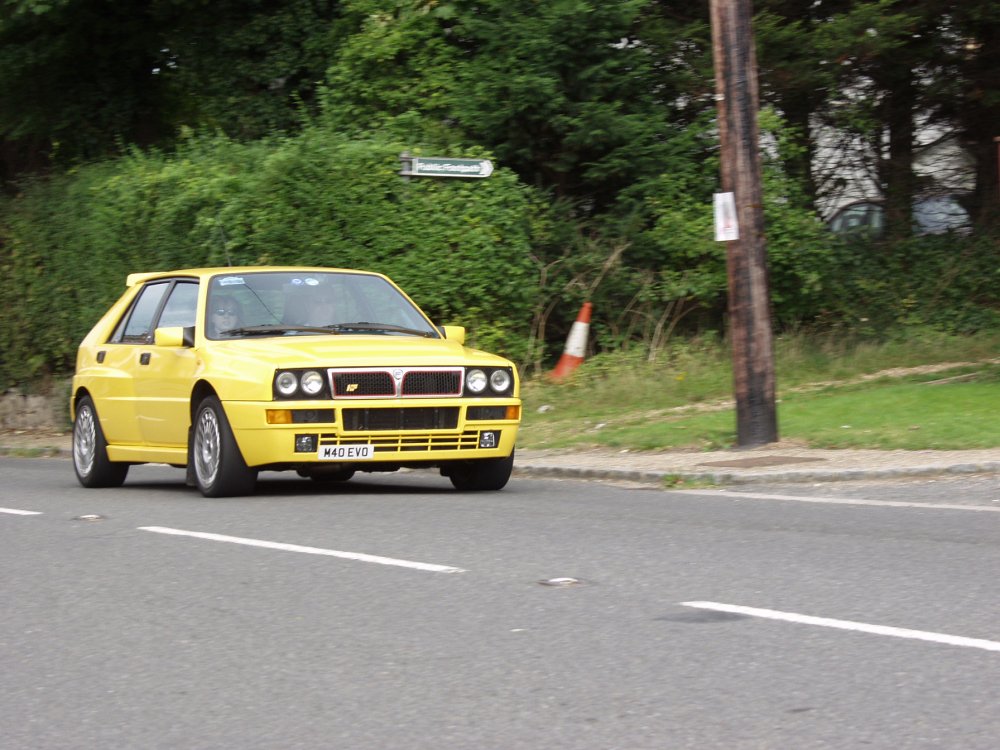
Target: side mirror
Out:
[454,333]
[174,336]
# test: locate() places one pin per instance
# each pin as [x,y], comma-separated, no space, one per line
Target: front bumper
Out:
[397,434]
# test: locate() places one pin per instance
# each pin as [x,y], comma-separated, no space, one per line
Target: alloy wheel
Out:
[207,447]
[85,440]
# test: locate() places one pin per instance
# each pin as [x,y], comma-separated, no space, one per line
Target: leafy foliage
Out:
[80,77]
[249,132]
[459,248]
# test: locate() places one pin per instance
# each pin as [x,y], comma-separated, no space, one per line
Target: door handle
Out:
[144,358]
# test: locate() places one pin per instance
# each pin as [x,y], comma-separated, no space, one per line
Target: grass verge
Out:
[930,392]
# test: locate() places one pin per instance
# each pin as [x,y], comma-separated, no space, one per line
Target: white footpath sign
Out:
[726,225]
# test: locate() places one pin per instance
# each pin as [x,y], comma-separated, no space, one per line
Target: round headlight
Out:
[312,383]
[500,380]
[286,383]
[475,381]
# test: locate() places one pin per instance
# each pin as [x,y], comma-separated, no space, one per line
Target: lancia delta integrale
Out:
[227,372]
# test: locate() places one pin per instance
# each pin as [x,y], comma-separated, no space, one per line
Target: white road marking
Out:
[863,627]
[359,556]
[16,512]
[837,500]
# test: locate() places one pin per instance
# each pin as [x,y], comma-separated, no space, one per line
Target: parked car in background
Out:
[935,214]
[227,372]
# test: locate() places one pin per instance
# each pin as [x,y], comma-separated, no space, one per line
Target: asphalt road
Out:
[394,612]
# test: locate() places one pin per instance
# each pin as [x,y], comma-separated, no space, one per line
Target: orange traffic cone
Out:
[576,345]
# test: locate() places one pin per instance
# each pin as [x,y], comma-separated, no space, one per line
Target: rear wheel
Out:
[219,468]
[483,474]
[90,450]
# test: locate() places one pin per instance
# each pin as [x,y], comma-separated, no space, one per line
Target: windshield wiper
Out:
[264,330]
[363,325]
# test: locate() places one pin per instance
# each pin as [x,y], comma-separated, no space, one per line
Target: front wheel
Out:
[219,468]
[483,474]
[90,450]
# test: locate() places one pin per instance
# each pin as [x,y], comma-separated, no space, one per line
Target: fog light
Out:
[305,443]
[488,439]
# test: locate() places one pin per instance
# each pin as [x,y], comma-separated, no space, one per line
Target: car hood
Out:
[349,350]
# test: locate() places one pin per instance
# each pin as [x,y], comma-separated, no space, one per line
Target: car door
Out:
[164,375]
[114,389]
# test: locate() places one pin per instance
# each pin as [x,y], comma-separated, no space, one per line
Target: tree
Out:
[973,32]
[74,76]
[245,67]
[869,79]
[563,93]
[79,78]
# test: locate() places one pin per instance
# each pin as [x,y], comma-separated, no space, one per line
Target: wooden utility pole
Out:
[749,303]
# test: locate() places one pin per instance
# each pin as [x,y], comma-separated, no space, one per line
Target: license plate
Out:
[346,452]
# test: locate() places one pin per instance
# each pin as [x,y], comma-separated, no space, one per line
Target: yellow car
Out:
[233,371]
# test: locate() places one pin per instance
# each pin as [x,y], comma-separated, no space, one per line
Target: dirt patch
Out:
[758,461]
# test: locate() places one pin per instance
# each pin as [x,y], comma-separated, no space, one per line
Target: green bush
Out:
[944,282]
[494,255]
[460,248]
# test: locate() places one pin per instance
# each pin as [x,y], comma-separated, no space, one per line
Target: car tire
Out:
[483,474]
[219,468]
[90,450]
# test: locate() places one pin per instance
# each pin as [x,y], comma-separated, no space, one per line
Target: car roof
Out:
[138,278]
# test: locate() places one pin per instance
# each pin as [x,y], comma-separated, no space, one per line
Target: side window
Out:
[182,305]
[139,323]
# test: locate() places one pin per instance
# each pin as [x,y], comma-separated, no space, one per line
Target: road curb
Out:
[41,451]
[662,477]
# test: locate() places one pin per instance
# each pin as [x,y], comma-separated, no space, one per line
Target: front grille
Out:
[432,383]
[408,442]
[361,383]
[413,418]
[398,382]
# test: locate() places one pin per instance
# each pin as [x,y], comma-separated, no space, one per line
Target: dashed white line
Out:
[862,627]
[837,500]
[17,512]
[358,556]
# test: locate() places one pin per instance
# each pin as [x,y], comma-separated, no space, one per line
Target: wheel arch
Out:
[201,390]
[74,401]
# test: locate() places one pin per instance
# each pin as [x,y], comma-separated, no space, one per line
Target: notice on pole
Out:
[727,227]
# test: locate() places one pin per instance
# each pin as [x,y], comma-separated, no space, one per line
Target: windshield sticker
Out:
[231,281]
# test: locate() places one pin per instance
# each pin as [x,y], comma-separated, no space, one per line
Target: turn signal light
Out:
[279,416]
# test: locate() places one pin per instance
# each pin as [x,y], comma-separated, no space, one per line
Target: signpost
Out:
[421,166]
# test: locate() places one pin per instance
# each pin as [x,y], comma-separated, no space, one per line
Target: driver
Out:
[224,315]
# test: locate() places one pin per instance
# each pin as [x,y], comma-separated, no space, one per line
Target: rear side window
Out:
[138,324]
[160,304]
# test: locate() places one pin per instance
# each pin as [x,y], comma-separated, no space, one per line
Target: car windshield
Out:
[309,303]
